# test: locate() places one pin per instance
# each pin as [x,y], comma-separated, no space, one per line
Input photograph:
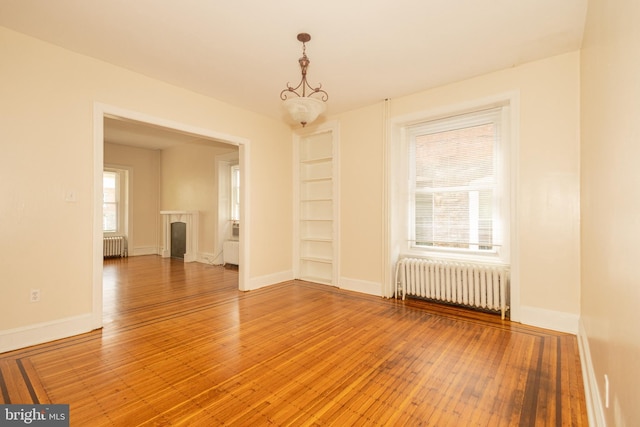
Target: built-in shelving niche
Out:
[316,201]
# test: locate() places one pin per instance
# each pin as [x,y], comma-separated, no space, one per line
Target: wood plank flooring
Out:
[182,346]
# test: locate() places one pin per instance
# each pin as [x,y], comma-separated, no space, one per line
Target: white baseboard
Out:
[549,319]
[362,286]
[209,258]
[202,257]
[144,250]
[270,279]
[595,411]
[12,339]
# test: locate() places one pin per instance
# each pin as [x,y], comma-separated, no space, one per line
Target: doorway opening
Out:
[165,133]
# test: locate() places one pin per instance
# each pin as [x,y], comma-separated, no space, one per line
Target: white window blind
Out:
[456,183]
[111,196]
[235,193]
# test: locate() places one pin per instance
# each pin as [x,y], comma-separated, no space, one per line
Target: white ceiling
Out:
[144,135]
[244,52]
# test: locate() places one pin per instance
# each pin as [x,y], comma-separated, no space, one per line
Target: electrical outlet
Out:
[34,295]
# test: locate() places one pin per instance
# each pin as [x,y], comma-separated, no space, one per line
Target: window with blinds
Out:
[457,184]
[235,193]
[111,196]
[115,184]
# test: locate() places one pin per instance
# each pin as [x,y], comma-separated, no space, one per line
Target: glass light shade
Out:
[303,109]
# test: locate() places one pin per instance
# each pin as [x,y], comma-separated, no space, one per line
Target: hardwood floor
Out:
[182,346]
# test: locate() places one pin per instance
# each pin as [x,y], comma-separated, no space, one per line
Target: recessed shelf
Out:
[317,259]
[316,279]
[322,179]
[316,213]
[316,160]
[315,200]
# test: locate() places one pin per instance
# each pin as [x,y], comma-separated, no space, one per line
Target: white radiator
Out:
[231,252]
[474,285]
[114,246]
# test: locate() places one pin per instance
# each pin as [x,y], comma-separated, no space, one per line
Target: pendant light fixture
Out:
[301,106]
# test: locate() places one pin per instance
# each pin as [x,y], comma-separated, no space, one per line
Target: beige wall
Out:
[189,182]
[611,203]
[46,132]
[547,182]
[361,197]
[145,189]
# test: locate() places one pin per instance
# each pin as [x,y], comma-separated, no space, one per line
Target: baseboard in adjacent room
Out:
[145,250]
[209,258]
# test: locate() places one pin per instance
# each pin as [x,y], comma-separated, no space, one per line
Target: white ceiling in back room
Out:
[144,135]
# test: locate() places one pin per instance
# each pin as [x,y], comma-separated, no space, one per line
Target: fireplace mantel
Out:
[190,218]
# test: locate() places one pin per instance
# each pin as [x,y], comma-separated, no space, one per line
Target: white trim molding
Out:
[595,410]
[549,319]
[13,339]
[362,286]
[208,258]
[269,279]
[144,250]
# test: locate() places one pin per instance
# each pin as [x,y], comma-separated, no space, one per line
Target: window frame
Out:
[122,191]
[234,201]
[495,113]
